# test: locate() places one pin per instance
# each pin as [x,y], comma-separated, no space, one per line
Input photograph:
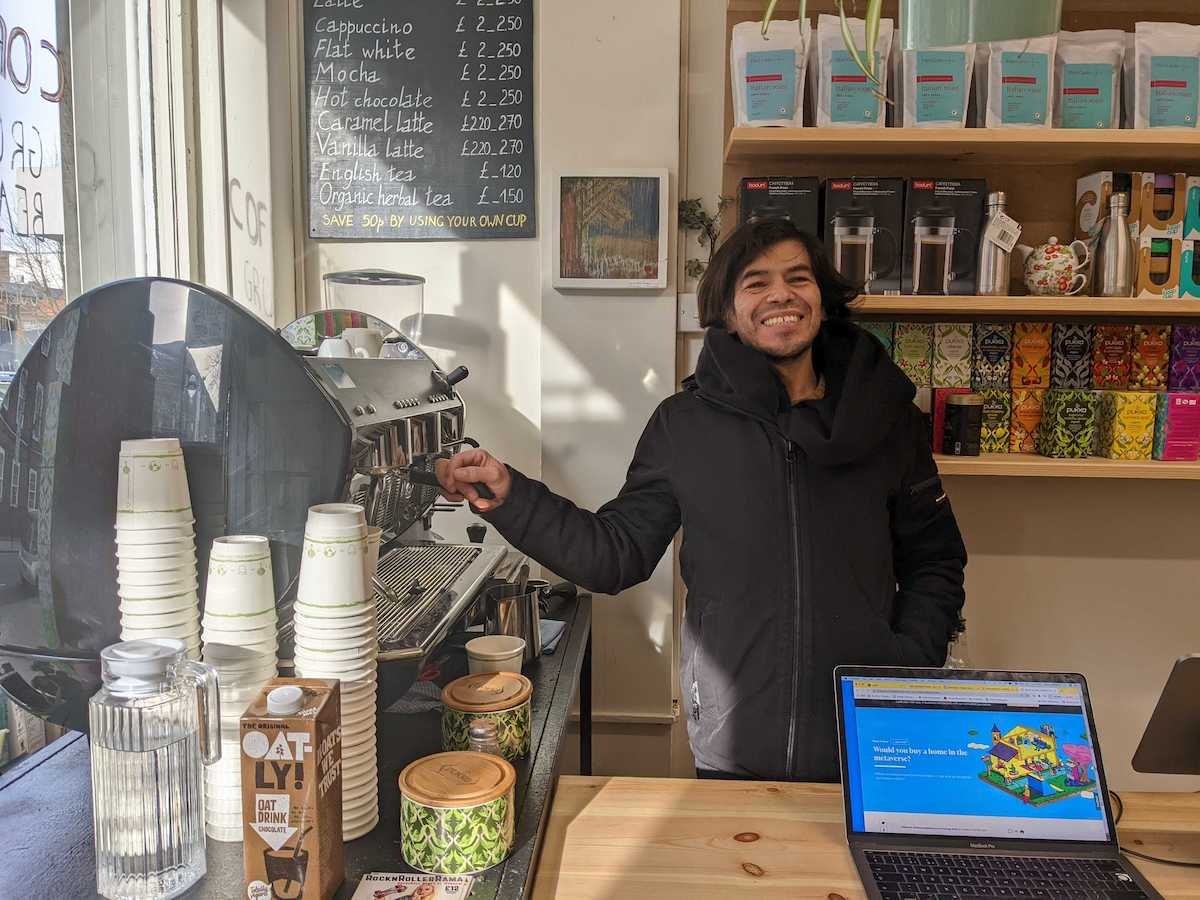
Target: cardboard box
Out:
[913,352]
[1126,425]
[792,197]
[1191,213]
[939,412]
[952,354]
[1026,417]
[861,225]
[1161,204]
[1071,360]
[1158,267]
[884,332]
[1031,354]
[1189,269]
[1092,193]
[991,361]
[1177,427]
[945,263]
[1068,426]
[1150,358]
[1185,358]
[292,793]
[997,414]
[1111,357]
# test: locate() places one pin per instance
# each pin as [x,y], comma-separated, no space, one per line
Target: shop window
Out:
[31,490]
[15,487]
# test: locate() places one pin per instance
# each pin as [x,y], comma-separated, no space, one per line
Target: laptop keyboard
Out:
[932,876]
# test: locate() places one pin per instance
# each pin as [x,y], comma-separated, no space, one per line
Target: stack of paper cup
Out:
[156,549]
[337,637]
[239,642]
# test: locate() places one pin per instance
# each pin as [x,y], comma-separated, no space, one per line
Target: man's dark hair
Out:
[748,242]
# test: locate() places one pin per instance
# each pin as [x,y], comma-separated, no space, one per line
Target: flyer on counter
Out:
[404,885]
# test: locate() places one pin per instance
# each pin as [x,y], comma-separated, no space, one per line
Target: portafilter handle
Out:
[446,382]
[421,476]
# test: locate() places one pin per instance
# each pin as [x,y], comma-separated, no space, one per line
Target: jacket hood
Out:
[866,393]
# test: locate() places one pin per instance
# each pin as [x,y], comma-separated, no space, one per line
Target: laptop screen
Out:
[959,757]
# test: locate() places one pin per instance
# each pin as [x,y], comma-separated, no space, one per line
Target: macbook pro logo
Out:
[981,846]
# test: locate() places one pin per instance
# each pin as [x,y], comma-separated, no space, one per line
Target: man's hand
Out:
[459,475]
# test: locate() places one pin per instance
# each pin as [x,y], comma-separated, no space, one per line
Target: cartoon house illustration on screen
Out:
[1026,763]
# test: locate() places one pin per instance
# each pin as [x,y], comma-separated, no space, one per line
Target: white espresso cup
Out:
[367,342]
[335,348]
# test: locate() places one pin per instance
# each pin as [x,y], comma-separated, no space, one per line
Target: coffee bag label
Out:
[1087,95]
[851,94]
[1023,81]
[770,84]
[941,94]
[1173,91]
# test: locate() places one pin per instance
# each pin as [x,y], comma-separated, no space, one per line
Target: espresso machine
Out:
[268,428]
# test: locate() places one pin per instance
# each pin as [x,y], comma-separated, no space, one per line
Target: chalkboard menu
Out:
[420,119]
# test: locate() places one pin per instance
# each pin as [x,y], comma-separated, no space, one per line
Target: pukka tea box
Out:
[291,745]
[884,332]
[939,412]
[1026,417]
[1150,358]
[1068,426]
[997,407]
[1071,359]
[913,352]
[1177,427]
[952,354]
[1185,358]
[1126,425]
[991,360]
[1110,357]
[1031,354]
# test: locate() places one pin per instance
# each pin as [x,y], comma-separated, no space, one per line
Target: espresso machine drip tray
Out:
[422,588]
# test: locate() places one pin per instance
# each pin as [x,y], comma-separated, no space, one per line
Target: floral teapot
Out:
[1053,269]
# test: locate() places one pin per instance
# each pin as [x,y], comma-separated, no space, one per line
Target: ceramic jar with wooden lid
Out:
[457,812]
[502,697]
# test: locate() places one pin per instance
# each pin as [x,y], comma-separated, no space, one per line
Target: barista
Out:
[815,528]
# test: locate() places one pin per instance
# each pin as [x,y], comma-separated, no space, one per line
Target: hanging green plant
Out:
[694,217]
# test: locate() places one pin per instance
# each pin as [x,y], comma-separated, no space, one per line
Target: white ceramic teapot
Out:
[1053,269]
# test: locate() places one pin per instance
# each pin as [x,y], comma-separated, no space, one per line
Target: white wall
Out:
[562,385]
[1088,575]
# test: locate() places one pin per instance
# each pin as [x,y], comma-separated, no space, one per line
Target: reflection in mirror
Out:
[367,335]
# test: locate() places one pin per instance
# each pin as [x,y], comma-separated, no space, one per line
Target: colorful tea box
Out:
[1026,417]
[1110,357]
[1071,364]
[1068,426]
[913,352]
[997,407]
[1177,427]
[884,332]
[1126,424]
[952,355]
[940,396]
[1185,358]
[991,361]
[1159,267]
[1031,354]
[1150,357]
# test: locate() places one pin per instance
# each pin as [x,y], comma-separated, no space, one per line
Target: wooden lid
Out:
[487,692]
[457,779]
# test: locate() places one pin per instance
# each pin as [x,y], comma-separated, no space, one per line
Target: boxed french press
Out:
[793,197]
[943,223]
[861,226]
[291,743]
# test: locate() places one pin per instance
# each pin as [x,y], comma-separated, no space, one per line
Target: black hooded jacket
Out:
[813,535]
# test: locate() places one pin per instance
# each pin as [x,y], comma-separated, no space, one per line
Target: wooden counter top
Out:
[664,838]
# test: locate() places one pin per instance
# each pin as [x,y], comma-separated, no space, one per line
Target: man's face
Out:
[776,302]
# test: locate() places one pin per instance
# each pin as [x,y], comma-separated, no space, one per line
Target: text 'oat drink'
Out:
[291,743]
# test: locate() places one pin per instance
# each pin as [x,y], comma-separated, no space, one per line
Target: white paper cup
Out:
[188,633]
[157,592]
[159,620]
[219,779]
[223,632]
[356,612]
[128,521]
[316,646]
[241,585]
[174,553]
[361,659]
[159,605]
[180,575]
[331,571]
[360,795]
[361,700]
[151,476]
[309,628]
[371,557]
[142,535]
[326,517]
[339,625]
[240,547]
[358,740]
[263,622]
[495,653]
[356,690]
[352,831]
[139,565]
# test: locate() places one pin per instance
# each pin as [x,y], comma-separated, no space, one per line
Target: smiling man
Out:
[815,528]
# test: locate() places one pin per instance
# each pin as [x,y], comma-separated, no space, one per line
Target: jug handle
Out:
[892,257]
[208,707]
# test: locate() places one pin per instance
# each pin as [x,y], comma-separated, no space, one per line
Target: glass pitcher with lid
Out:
[153,724]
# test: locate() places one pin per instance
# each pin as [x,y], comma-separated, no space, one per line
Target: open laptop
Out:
[976,785]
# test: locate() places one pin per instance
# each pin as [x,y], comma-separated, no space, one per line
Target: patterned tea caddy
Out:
[1054,269]
[502,697]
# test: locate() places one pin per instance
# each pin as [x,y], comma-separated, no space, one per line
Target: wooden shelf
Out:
[1040,466]
[1026,307]
[1052,146]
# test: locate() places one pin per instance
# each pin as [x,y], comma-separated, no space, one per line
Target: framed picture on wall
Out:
[612,229]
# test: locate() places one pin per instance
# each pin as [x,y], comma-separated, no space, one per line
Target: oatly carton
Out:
[291,741]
